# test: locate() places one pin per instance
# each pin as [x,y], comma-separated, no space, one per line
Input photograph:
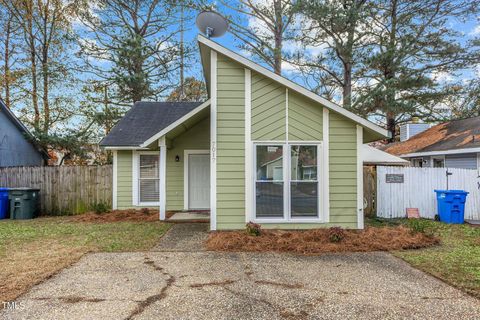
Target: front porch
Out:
[188,216]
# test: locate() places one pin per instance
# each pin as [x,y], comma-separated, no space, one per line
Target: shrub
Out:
[254,229]
[336,234]
[100,207]
[419,226]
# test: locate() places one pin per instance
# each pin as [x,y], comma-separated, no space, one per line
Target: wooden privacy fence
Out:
[369,190]
[399,188]
[64,189]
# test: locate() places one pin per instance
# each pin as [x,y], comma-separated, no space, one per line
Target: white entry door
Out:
[199,181]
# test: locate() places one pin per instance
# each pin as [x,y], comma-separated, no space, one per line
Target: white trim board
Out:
[186,154]
[175,124]
[115,181]
[213,141]
[326,164]
[249,196]
[162,177]
[360,215]
[436,153]
[289,84]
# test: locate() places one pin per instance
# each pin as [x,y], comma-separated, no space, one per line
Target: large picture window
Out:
[148,178]
[287,181]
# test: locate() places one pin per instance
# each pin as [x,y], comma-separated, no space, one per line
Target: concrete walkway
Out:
[188,237]
[208,285]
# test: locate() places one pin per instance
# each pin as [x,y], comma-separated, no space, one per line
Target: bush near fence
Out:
[64,190]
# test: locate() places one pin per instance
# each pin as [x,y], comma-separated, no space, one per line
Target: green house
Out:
[261,149]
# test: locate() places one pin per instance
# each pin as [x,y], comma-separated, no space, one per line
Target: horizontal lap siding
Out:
[343,171]
[268,109]
[196,138]
[230,144]
[124,179]
[304,118]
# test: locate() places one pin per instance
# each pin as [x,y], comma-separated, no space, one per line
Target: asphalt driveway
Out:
[207,285]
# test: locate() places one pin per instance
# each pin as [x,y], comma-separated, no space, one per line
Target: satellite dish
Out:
[211,24]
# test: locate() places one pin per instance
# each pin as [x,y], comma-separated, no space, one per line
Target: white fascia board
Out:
[289,84]
[125,148]
[436,153]
[175,124]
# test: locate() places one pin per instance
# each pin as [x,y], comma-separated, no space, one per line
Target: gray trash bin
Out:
[24,203]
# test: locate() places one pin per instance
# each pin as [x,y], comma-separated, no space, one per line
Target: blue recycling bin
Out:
[3,203]
[451,205]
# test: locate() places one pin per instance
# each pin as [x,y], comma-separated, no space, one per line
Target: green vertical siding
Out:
[268,109]
[196,138]
[124,179]
[230,144]
[304,118]
[343,171]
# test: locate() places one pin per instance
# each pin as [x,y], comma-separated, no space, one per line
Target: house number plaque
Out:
[394,178]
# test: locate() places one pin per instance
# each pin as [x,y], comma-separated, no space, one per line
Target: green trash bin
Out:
[24,203]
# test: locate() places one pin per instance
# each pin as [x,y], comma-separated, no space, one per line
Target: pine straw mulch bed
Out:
[120,215]
[312,242]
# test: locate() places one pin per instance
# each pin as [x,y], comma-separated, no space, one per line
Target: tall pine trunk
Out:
[6,61]
[390,74]
[277,54]
[45,72]
[33,62]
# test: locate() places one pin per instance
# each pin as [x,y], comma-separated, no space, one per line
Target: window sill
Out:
[148,204]
[294,220]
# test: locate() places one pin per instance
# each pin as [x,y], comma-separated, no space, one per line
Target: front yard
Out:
[33,250]
[456,260]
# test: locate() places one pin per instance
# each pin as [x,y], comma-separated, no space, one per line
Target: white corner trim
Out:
[360,215]
[213,141]
[186,154]
[248,148]
[327,103]
[326,165]
[135,178]
[286,115]
[115,180]
[478,161]
[163,177]
[176,124]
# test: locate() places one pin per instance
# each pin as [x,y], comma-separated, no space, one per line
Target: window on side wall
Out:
[148,178]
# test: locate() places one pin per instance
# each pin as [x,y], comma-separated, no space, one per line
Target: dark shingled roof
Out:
[452,135]
[144,120]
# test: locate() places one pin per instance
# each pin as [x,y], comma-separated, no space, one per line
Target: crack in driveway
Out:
[142,305]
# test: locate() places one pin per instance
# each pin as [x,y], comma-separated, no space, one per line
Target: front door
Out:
[199,181]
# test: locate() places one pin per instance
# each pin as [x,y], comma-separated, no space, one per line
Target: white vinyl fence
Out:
[416,190]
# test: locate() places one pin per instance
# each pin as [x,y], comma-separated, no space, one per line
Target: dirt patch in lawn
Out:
[317,241]
[119,215]
[32,263]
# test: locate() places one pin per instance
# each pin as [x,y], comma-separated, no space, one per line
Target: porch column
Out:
[163,177]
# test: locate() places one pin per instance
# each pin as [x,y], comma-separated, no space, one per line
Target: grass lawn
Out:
[33,250]
[456,260]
